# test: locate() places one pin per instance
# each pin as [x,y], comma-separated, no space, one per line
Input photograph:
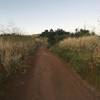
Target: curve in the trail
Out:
[51,79]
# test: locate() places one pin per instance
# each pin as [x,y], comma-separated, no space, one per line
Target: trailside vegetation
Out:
[59,34]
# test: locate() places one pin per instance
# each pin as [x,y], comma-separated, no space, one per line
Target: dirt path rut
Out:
[51,79]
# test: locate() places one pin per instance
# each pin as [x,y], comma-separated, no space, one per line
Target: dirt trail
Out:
[49,79]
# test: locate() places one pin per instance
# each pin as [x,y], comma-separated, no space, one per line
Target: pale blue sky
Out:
[37,15]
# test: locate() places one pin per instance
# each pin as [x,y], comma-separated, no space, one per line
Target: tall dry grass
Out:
[86,42]
[12,50]
[91,44]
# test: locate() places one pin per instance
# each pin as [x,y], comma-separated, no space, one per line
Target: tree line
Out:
[59,34]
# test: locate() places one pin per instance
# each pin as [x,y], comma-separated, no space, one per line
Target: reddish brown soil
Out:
[48,79]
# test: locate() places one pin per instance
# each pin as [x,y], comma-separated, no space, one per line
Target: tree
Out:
[55,36]
[82,32]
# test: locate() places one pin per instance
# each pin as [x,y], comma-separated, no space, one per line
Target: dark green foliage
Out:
[82,32]
[59,34]
[54,36]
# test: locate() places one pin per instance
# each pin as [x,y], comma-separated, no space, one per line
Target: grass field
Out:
[13,49]
[84,55]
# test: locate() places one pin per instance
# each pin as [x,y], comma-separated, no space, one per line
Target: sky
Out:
[34,16]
